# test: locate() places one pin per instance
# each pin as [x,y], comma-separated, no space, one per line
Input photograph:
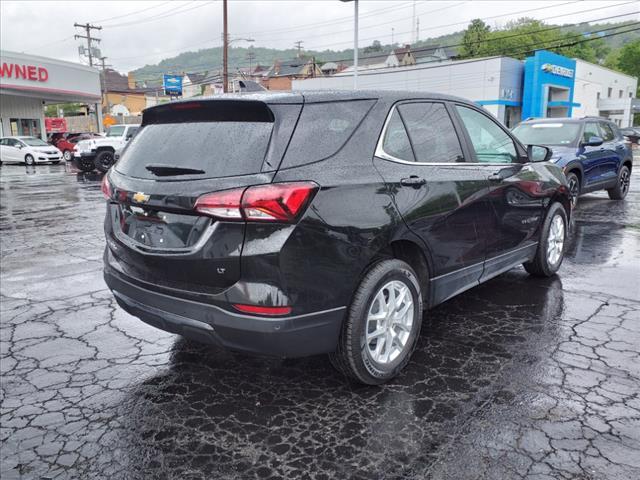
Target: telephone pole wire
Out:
[88,27]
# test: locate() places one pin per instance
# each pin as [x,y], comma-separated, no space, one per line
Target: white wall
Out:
[593,79]
[479,80]
[20,107]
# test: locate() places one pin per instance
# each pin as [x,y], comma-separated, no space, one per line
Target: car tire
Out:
[55,162]
[553,241]
[29,160]
[85,164]
[104,160]
[574,187]
[67,155]
[622,186]
[354,356]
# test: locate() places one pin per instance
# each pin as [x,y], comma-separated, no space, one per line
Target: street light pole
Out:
[225,47]
[355,46]
[355,42]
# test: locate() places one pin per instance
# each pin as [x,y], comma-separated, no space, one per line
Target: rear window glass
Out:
[221,149]
[323,129]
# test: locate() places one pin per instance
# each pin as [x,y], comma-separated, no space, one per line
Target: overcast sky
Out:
[136,33]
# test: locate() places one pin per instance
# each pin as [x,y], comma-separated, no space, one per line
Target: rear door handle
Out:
[413,181]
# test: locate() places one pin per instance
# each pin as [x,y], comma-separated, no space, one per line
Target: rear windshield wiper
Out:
[171,170]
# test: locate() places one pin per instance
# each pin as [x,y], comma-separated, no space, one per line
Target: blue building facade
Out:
[548,89]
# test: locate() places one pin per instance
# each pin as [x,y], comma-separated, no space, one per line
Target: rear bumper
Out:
[293,336]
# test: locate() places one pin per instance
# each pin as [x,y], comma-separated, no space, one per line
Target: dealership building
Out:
[28,83]
[543,85]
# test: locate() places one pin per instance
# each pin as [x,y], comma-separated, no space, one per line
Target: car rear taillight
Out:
[106,187]
[225,204]
[279,202]
[261,310]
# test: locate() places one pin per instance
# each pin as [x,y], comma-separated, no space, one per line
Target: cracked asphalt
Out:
[517,378]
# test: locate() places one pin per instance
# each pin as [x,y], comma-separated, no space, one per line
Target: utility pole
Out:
[417,30]
[392,32]
[103,83]
[298,45]
[88,27]
[225,48]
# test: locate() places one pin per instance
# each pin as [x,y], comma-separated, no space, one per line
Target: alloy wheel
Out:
[555,240]
[389,322]
[67,156]
[624,182]
[574,187]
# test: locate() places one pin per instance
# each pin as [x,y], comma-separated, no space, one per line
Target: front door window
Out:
[490,142]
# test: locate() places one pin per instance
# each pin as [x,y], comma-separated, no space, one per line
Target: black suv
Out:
[300,224]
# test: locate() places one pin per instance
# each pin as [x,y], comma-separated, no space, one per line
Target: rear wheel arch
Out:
[629,164]
[411,253]
[106,149]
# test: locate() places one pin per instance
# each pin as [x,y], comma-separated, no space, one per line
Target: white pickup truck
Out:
[100,153]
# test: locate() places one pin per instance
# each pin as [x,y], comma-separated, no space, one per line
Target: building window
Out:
[620,94]
[598,95]
[25,127]
[630,94]
[610,92]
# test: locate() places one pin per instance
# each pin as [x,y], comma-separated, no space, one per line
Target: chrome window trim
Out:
[380,153]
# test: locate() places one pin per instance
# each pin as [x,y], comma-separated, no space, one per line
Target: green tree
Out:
[376,46]
[629,58]
[474,39]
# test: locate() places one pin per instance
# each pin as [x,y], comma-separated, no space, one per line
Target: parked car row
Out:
[89,151]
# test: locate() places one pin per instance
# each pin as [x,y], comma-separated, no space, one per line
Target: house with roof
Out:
[122,96]
[192,84]
[280,75]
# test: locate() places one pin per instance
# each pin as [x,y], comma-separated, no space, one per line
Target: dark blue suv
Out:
[591,151]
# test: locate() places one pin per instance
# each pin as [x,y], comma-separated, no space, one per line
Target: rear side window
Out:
[396,141]
[607,132]
[431,132]
[323,129]
[590,130]
[221,149]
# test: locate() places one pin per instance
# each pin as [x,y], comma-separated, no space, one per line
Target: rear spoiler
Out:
[209,111]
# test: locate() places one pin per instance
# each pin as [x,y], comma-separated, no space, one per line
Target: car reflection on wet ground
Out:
[517,378]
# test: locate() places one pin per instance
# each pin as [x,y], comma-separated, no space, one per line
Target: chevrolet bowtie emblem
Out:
[140,197]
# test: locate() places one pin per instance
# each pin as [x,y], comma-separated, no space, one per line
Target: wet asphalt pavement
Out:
[517,378]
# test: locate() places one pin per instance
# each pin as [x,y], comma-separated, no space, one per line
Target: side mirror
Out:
[593,142]
[538,153]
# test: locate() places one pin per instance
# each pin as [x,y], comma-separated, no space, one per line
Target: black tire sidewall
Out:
[555,210]
[571,175]
[98,161]
[383,273]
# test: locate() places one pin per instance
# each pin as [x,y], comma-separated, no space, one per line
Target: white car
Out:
[28,150]
[100,153]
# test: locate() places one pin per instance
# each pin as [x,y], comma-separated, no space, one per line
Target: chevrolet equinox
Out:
[323,222]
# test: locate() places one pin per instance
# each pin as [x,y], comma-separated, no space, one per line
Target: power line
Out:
[577,35]
[532,49]
[492,18]
[162,15]
[132,13]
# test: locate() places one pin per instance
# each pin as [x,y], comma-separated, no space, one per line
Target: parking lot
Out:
[520,377]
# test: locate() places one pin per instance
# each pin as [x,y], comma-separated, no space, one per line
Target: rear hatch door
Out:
[183,151]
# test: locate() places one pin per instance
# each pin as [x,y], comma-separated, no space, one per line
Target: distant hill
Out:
[210,59]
